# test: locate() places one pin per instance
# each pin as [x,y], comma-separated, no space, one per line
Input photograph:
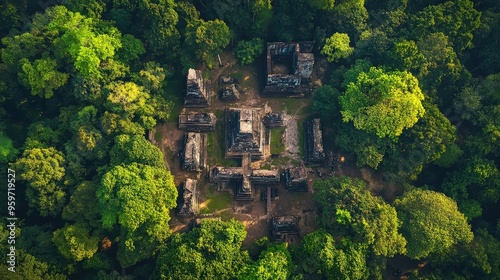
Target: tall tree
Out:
[206,39]
[383,103]
[247,51]
[456,19]
[135,148]
[350,16]
[75,242]
[274,263]
[479,258]
[431,222]
[42,76]
[7,150]
[31,268]
[83,206]
[137,198]
[348,208]
[208,252]
[337,47]
[159,26]
[319,255]
[43,170]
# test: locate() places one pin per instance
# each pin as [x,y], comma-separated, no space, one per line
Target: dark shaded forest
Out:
[411,90]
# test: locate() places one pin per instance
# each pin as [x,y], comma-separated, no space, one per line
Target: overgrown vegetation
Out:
[216,201]
[277,142]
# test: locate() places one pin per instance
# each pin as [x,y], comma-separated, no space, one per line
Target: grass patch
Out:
[305,111]
[266,166]
[280,161]
[293,105]
[226,215]
[277,146]
[216,154]
[206,73]
[219,114]
[216,201]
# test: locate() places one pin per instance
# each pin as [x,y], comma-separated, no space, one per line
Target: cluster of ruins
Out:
[247,134]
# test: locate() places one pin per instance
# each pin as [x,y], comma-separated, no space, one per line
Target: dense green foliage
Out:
[348,208]
[337,47]
[382,102]
[247,51]
[209,252]
[320,255]
[431,222]
[408,90]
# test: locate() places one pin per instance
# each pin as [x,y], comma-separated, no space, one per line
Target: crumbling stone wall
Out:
[197,122]
[313,141]
[189,206]
[197,90]
[194,154]
[291,83]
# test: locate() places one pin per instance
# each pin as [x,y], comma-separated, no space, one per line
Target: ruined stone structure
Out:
[194,155]
[295,179]
[198,90]
[313,142]
[230,93]
[273,120]
[289,68]
[245,132]
[286,229]
[189,205]
[272,195]
[197,122]
[228,80]
[243,178]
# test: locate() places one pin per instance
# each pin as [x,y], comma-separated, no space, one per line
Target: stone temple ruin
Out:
[285,228]
[245,133]
[194,155]
[231,89]
[313,142]
[189,205]
[295,179]
[198,91]
[246,138]
[289,68]
[273,120]
[197,122]
[230,93]
[243,178]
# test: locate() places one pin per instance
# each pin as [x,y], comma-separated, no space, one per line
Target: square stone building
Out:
[289,68]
